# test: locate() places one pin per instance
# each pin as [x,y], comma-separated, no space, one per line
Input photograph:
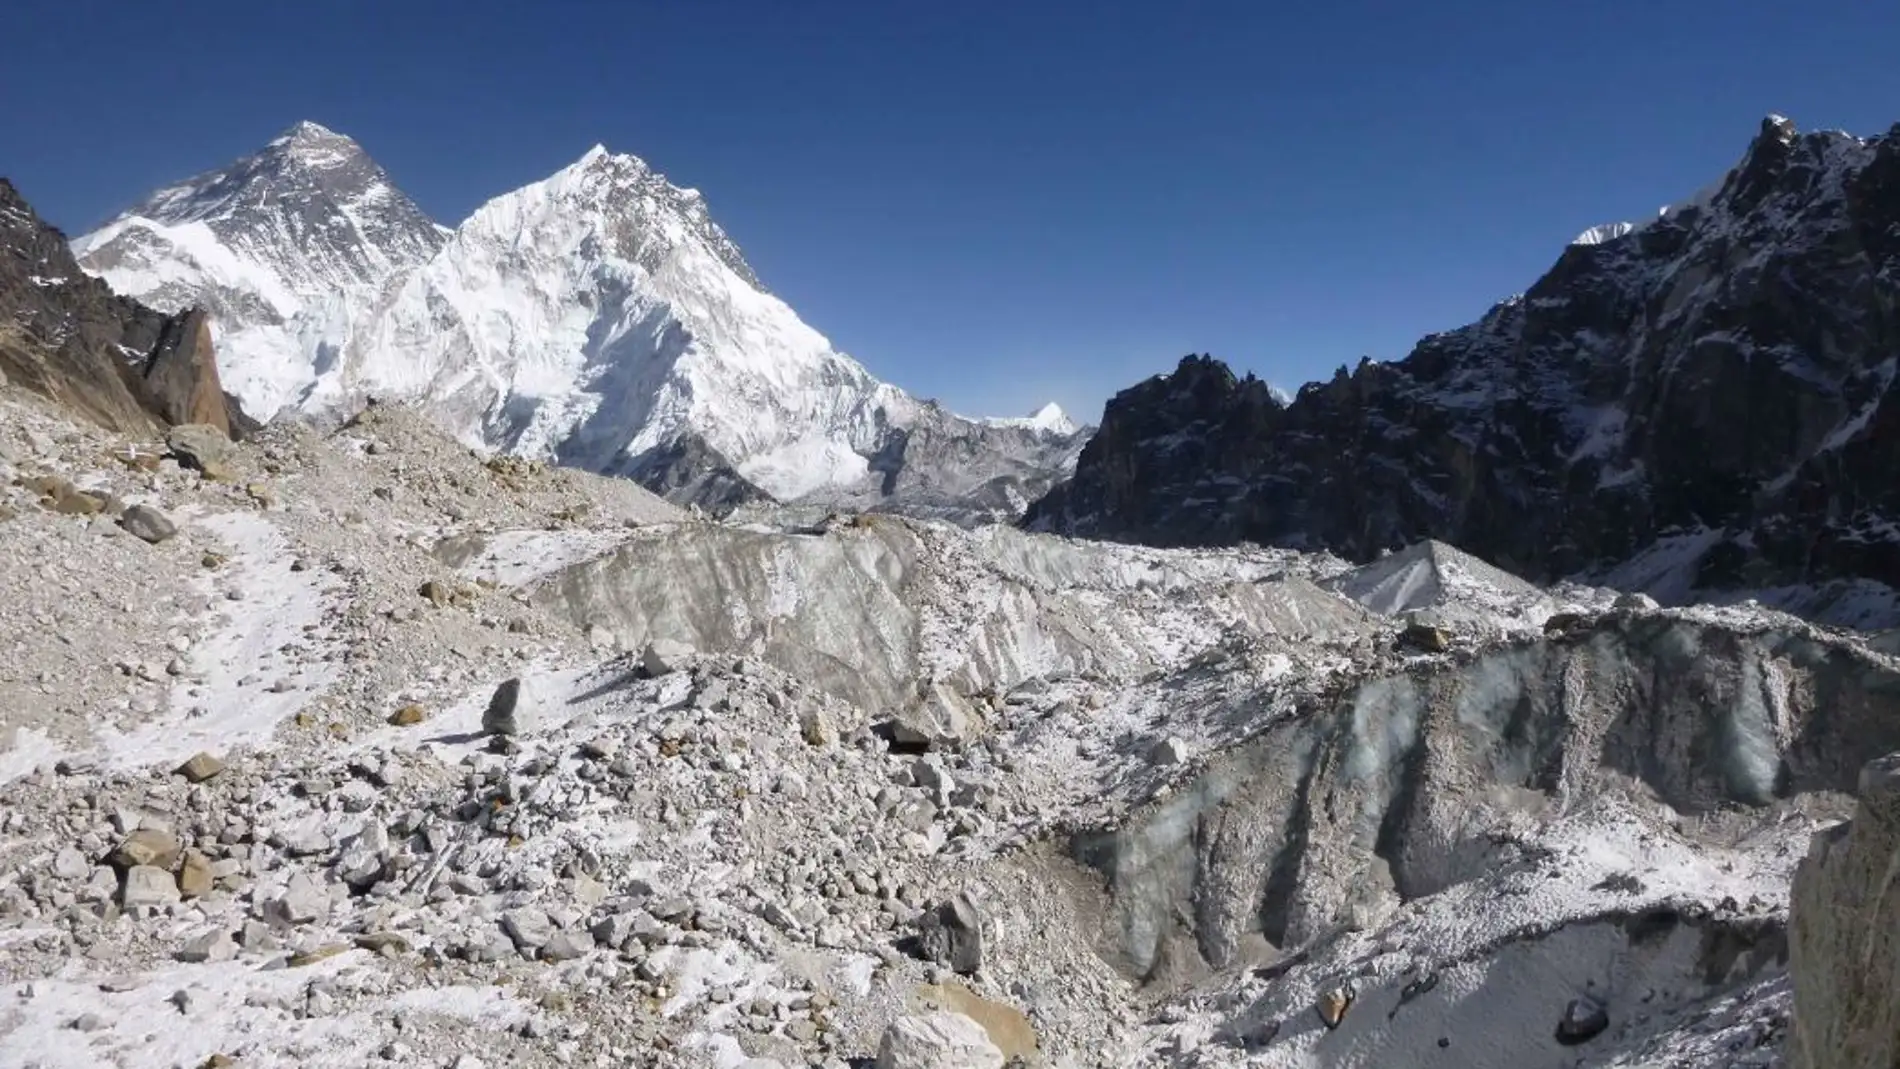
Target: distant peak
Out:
[1050,418]
[307,132]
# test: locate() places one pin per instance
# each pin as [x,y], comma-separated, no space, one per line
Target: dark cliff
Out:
[1715,387]
[67,336]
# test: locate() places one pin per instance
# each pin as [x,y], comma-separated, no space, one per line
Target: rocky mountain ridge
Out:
[1701,403]
[68,337]
[599,318]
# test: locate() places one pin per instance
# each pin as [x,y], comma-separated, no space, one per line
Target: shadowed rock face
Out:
[1845,934]
[67,336]
[1725,376]
[1410,785]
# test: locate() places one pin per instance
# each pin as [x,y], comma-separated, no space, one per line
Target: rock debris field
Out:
[344,747]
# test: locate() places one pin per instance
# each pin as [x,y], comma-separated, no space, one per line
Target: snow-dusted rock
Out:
[937,1041]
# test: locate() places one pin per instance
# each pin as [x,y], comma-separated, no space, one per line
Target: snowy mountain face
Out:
[1704,402]
[599,318]
[278,247]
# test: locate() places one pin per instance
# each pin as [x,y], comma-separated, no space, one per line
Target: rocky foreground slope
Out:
[1701,404]
[353,748]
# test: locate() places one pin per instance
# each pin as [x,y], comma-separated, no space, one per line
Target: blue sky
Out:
[997,203]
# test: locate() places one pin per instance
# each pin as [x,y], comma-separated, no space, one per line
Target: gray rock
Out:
[952,935]
[70,864]
[529,928]
[147,885]
[215,945]
[1842,918]
[937,1041]
[203,448]
[303,901]
[930,777]
[566,946]
[365,856]
[1169,751]
[1582,1021]
[940,719]
[148,524]
[505,715]
[1635,602]
[664,656]
[613,931]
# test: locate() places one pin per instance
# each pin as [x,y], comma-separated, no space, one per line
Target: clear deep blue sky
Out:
[996,202]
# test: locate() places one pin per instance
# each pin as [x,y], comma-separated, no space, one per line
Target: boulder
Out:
[149,524]
[505,714]
[1425,637]
[364,857]
[148,885]
[304,900]
[195,876]
[1844,934]
[214,945]
[202,766]
[952,935]
[408,716]
[529,928]
[1635,602]
[203,448]
[147,846]
[1583,1020]
[1332,1006]
[939,1040]
[663,656]
[941,719]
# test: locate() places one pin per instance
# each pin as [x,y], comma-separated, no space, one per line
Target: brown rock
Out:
[195,878]
[147,846]
[78,503]
[203,447]
[1332,1006]
[409,716]
[181,375]
[1425,637]
[311,957]
[202,766]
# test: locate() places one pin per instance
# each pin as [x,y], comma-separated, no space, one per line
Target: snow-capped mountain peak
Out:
[280,247]
[1050,418]
[598,317]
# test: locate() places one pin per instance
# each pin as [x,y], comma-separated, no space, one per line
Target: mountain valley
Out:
[552,652]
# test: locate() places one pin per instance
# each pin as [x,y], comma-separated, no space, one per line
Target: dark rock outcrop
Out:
[1844,934]
[68,337]
[1720,384]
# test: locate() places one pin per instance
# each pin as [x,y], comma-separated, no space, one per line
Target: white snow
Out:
[240,685]
[599,312]
[1603,232]
[1049,417]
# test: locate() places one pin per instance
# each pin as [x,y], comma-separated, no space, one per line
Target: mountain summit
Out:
[598,317]
[1707,400]
[278,247]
